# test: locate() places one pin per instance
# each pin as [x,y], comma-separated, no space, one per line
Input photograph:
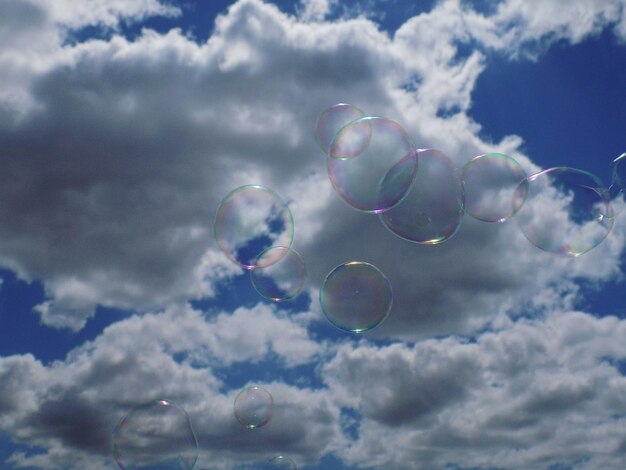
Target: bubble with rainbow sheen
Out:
[382,173]
[564,210]
[489,183]
[356,296]
[432,211]
[330,123]
[155,435]
[249,220]
[280,462]
[253,407]
[282,280]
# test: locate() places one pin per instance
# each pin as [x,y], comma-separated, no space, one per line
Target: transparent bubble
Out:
[157,435]
[280,462]
[381,175]
[282,280]
[356,296]
[489,182]
[564,210]
[249,220]
[619,172]
[432,211]
[331,121]
[253,407]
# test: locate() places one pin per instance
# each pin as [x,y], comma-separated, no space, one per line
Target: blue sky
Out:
[123,125]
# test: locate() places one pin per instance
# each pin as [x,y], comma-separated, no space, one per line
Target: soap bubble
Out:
[282,280]
[489,182]
[365,182]
[432,211]
[356,296]
[249,220]
[280,462]
[253,407]
[566,211]
[155,435]
[332,120]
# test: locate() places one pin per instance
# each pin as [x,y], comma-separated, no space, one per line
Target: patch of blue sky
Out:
[9,447]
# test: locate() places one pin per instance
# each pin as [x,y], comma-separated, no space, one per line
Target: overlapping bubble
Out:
[282,280]
[330,123]
[280,462]
[564,210]
[249,220]
[253,407]
[489,183]
[155,435]
[432,211]
[356,296]
[364,181]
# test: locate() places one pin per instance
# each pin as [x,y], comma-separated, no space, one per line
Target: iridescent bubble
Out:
[253,407]
[155,435]
[282,280]
[249,220]
[432,211]
[364,182]
[564,210]
[332,120]
[356,296]
[280,462]
[490,181]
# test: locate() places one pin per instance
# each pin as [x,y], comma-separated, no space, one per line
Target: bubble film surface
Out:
[432,211]
[157,435]
[249,220]
[356,296]
[381,174]
[490,182]
[253,407]
[282,280]
[330,123]
[565,211]
[280,462]
[618,177]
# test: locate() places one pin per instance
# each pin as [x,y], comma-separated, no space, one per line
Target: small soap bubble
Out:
[155,435]
[282,280]
[564,211]
[332,120]
[280,462]
[356,296]
[382,173]
[432,211]
[249,220]
[489,182]
[253,407]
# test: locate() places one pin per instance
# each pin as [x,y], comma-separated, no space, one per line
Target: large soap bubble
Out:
[356,296]
[155,435]
[249,220]
[282,280]
[253,407]
[381,174]
[280,462]
[489,182]
[330,123]
[432,211]
[565,211]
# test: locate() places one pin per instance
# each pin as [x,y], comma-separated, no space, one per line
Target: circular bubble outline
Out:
[269,414]
[289,251]
[319,138]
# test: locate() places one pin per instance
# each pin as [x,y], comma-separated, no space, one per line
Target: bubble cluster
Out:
[489,183]
[332,120]
[564,211]
[249,220]
[280,462]
[356,296]
[282,280]
[381,173]
[253,407]
[432,211]
[155,435]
